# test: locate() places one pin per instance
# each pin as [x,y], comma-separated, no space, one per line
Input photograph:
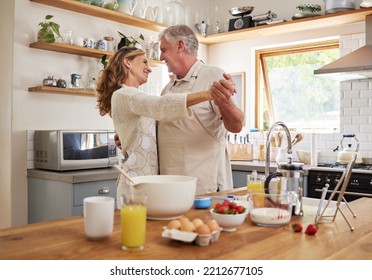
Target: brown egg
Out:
[187,226]
[197,222]
[184,219]
[213,225]
[203,229]
[174,224]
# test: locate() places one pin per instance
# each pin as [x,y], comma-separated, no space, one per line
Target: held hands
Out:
[222,91]
[117,141]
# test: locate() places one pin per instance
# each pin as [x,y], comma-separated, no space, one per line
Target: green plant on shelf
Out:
[129,40]
[309,8]
[49,30]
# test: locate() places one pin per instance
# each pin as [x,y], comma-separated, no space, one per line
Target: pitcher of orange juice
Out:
[255,184]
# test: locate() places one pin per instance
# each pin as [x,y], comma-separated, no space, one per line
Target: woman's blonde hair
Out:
[112,77]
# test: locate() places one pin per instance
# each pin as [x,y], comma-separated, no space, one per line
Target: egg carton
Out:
[189,237]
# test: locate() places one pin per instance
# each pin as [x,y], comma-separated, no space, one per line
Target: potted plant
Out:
[130,41]
[49,30]
[309,8]
[124,41]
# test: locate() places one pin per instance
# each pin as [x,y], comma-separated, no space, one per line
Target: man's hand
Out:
[223,90]
[232,116]
[117,141]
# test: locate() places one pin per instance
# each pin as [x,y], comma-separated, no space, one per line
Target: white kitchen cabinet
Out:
[57,195]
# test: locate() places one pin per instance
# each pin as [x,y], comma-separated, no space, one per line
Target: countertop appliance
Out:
[246,20]
[360,183]
[353,66]
[74,150]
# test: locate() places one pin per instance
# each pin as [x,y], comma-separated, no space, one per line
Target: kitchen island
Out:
[65,240]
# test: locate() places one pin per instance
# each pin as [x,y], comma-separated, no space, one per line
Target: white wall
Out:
[6,56]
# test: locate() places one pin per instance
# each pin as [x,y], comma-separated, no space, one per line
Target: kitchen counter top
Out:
[259,166]
[75,176]
[98,174]
[65,239]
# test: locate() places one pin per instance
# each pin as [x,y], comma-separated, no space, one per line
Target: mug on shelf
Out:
[101,45]
[91,43]
[80,41]
[110,43]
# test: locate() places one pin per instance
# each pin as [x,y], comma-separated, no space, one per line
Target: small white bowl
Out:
[229,222]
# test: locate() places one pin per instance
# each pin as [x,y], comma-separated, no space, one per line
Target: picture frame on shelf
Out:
[239,79]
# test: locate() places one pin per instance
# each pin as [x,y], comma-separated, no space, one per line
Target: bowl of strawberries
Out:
[229,215]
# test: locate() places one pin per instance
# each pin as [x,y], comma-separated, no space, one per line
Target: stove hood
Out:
[353,66]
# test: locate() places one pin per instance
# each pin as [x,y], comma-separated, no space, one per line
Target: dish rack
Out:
[344,180]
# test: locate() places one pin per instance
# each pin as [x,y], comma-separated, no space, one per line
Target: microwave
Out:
[62,150]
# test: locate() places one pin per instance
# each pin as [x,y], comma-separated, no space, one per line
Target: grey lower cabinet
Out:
[240,178]
[51,200]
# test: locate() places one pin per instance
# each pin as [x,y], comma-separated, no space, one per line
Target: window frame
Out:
[239,79]
[260,68]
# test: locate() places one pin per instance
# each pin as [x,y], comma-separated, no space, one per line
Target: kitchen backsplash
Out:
[356,109]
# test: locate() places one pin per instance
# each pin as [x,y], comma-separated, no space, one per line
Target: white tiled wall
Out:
[356,110]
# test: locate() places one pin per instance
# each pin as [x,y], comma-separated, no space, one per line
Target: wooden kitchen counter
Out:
[65,239]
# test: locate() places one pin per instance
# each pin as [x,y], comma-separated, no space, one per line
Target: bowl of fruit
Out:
[229,215]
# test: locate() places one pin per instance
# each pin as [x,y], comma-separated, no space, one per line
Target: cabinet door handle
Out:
[104,190]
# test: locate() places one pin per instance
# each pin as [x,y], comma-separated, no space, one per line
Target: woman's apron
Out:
[187,148]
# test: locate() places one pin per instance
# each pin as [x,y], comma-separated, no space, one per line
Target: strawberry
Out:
[222,210]
[311,229]
[297,227]
[233,205]
[240,209]
[218,205]
[231,211]
[226,203]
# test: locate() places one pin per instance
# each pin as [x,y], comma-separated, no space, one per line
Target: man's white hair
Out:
[181,32]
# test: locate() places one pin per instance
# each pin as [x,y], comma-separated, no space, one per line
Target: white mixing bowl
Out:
[168,196]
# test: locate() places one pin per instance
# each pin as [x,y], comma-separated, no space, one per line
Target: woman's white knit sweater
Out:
[134,114]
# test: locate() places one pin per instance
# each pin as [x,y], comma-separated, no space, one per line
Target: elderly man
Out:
[197,146]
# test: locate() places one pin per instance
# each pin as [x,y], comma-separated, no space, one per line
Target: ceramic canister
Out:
[102,45]
[110,43]
[91,43]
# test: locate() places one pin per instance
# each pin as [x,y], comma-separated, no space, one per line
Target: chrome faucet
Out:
[269,135]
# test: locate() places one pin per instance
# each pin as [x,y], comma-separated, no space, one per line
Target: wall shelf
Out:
[57,90]
[321,21]
[327,20]
[82,51]
[103,13]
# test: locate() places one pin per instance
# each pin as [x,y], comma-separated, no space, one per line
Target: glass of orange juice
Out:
[256,184]
[133,221]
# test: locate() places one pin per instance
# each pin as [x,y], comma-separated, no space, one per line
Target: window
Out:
[287,89]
